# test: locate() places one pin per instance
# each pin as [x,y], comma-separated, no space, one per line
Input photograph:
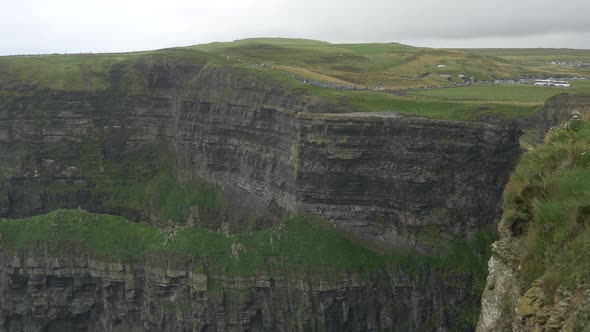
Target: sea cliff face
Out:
[44,288]
[381,177]
[179,143]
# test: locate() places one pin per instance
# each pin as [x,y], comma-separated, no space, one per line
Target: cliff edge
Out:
[539,272]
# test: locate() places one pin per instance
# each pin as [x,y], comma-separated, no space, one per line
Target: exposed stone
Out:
[237,249]
[45,289]
[380,177]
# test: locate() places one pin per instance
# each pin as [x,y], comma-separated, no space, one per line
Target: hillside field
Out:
[392,67]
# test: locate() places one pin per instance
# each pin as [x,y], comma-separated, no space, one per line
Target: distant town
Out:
[571,63]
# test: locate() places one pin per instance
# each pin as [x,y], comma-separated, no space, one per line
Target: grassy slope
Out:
[539,59]
[510,93]
[548,198]
[298,244]
[59,72]
[84,72]
[394,65]
[398,66]
[413,103]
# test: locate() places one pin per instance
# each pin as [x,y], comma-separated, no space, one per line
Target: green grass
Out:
[448,110]
[298,244]
[59,72]
[394,65]
[86,72]
[397,66]
[412,104]
[547,199]
[514,93]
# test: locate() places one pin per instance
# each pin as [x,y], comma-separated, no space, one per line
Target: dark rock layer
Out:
[381,177]
[45,291]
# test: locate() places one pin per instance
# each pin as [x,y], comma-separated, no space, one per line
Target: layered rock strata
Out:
[46,289]
[380,176]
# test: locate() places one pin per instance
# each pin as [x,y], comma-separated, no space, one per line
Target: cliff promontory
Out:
[538,272]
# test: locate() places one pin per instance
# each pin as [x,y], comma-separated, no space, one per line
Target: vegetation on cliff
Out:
[141,181]
[300,244]
[540,268]
[547,200]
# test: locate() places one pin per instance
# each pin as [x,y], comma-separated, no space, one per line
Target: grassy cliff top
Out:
[390,66]
[547,207]
[395,65]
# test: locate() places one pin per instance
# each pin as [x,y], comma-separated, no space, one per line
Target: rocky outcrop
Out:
[45,288]
[556,110]
[509,306]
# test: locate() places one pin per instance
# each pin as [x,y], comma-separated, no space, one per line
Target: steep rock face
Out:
[384,177]
[380,177]
[47,289]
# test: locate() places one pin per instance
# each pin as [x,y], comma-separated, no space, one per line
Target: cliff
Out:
[127,276]
[538,272]
[185,141]
[263,146]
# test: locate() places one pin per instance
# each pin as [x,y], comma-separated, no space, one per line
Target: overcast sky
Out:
[68,26]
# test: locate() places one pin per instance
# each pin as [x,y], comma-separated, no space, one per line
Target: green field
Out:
[534,95]
[392,66]
[441,108]
[71,72]
[396,65]
[581,86]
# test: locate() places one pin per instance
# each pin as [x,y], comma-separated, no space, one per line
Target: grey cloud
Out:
[45,26]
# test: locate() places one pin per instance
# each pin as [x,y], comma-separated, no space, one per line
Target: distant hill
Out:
[328,72]
[396,65]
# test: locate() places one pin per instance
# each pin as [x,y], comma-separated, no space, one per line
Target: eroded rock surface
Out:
[44,288]
[381,178]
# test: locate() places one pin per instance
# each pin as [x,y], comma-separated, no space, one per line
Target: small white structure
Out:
[563,84]
[461,76]
[441,66]
[544,82]
[552,82]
